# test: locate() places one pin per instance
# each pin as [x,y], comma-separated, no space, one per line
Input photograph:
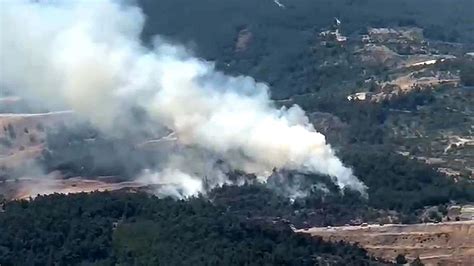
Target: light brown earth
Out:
[449,243]
[25,130]
[24,188]
[22,137]
[21,149]
[408,82]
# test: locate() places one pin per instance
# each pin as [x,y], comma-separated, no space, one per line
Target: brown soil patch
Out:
[450,243]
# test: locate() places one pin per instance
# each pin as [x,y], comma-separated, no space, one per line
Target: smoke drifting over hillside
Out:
[87,56]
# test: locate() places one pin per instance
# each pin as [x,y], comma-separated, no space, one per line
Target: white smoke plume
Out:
[88,56]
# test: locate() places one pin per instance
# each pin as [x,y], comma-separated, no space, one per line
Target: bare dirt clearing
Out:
[449,243]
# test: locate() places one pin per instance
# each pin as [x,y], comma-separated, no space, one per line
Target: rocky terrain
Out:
[449,243]
[23,137]
[431,118]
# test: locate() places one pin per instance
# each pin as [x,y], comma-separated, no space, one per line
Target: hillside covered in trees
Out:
[388,141]
[279,50]
[138,229]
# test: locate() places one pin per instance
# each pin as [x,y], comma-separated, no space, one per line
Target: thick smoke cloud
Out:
[87,56]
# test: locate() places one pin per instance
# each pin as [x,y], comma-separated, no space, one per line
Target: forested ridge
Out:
[394,182]
[285,54]
[250,224]
[280,51]
[115,228]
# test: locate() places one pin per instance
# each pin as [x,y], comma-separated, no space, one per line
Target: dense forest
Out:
[283,53]
[395,182]
[138,229]
[280,49]
[251,224]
